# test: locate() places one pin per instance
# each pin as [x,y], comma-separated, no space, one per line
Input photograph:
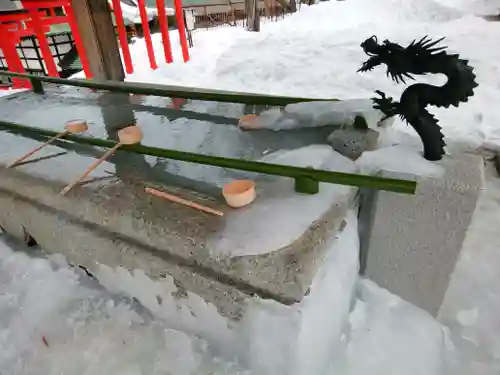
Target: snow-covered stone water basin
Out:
[185,310]
[313,336]
[269,337]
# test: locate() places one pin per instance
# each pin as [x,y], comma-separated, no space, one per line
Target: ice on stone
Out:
[260,227]
[321,113]
[398,158]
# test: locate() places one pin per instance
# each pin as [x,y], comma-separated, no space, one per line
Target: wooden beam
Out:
[99,38]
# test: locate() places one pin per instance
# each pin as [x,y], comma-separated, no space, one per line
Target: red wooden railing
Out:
[163,21]
[35,22]
[162,17]
[122,36]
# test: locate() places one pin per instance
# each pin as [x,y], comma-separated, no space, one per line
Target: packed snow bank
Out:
[132,14]
[479,7]
[409,340]
[401,158]
[53,321]
[472,302]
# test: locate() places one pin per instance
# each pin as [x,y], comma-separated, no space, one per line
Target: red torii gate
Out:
[37,22]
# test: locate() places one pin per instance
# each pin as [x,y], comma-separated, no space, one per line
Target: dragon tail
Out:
[426,126]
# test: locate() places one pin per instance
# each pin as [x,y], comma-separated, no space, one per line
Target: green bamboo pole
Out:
[306,179]
[165,91]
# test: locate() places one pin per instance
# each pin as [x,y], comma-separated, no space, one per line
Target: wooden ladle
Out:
[127,136]
[72,127]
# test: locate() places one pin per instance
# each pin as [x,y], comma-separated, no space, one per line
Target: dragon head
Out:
[371,46]
[400,61]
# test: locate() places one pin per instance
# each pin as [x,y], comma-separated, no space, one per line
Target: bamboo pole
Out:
[349,179]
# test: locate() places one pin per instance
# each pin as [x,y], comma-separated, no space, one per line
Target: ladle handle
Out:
[185,202]
[24,157]
[93,166]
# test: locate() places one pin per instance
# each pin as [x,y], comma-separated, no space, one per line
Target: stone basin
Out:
[271,248]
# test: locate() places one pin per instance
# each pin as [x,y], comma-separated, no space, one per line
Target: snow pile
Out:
[401,158]
[52,323]
[479,7]
[407,340]
[320,113]
[362,11]
[132,14]
[471,304]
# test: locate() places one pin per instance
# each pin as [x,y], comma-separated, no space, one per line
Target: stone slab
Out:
[410,244]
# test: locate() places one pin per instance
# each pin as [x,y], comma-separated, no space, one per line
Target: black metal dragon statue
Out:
[420,57]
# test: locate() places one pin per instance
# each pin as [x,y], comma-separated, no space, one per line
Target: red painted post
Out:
[78,41]
[122,35]
[162,17]
[44,45]
[14,64]
[147,34]
[179,16]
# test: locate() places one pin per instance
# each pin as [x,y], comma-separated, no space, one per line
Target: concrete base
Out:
[411,243]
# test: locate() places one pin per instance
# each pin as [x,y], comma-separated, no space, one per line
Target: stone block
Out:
[410,244]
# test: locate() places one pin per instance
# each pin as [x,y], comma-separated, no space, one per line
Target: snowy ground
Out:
[315,53]
[472,302]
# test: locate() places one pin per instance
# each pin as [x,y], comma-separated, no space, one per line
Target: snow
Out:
[132,14]
[402,158]
[79,328]
[390,336]
[468,317]
[190,314]
[473,298]
[478,7]
[320,113]
[89,330]
[316,54]
[55,321]
[4,93]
